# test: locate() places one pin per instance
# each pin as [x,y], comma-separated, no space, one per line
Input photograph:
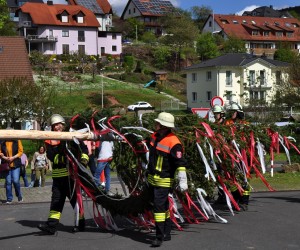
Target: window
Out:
[194,77]
[251,77]
[224,21]
[1,49]
[278,77]
[133,10]
[114,36]
[235,21]
[64,18]
[194,96]
[289,34]
[210,24]
[262,75]
[208,94]
[65,33]
[255,33]
[266,33]
[51,34]
[279,33]
[129,11]
[81,37]
[228,78]
[81,49]
[51,46]
[208,75]
[102,34]
[114,48]
[102,50]
[257,95]
[79,19]
[66,49]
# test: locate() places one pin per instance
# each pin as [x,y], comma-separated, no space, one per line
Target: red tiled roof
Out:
[242,26]
[105,6]
[43,14]
[14,60]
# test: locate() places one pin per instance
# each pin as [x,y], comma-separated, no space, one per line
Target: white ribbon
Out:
[207,167]
[260,152]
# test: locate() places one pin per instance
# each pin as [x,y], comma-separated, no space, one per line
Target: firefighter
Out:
[165,159]
[238,117]
[219,114]
[63,184]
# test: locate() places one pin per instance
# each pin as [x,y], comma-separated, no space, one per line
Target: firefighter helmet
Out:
[218,109]
[236,107]
[56,118]
[166,119]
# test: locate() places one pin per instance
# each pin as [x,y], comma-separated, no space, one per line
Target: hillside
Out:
[294,11]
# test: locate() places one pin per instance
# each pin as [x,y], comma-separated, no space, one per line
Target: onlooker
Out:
[91,149]
[104,159]
[24,164]
[40,165]
[10,152]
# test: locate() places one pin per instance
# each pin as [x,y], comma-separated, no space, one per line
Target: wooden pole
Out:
[6,134]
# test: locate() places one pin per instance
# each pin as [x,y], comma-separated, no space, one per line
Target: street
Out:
[272,222]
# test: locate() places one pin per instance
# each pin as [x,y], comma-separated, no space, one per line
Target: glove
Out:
[183,186]
[84,159]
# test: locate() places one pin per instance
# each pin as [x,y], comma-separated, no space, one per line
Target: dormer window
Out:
[224,21]
[64,18]
[80,17]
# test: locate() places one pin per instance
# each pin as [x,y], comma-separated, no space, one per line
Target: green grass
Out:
[279,182]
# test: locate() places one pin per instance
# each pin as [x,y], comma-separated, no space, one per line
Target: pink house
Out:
[63,29]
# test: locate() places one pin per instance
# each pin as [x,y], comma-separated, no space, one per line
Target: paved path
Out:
[271,223]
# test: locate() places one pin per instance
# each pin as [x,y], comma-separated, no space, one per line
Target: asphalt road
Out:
[272,222]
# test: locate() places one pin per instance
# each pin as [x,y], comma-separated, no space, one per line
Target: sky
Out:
[218,6]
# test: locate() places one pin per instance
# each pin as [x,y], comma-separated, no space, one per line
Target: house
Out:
[109,42]
[58,29]
[149,12]
[234,77]
[13,5]
[262,35]
[14,61]
[267,11]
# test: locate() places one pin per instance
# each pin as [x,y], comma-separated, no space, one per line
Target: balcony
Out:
[40,39]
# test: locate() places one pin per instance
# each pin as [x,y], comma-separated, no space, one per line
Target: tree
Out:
[134,29]
[148,37]
[284,53]
[234,45]
[21,99]
[7,27]
[181,32]
[200,14]
[162,55]
[206,46]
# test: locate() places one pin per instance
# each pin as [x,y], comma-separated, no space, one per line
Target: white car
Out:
[139,105]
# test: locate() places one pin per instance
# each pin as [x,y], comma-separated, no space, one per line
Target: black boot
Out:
[47,229]
[80,227]
[156,243]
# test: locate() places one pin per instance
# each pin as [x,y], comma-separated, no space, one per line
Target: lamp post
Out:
[102,87]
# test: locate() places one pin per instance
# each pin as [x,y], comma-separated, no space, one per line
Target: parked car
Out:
[126,42]
[139,105]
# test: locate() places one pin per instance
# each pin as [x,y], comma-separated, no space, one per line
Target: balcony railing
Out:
[36,38]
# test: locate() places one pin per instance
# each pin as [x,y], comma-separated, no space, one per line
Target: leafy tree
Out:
[148,37]
[162,54]
[128,63]
[39,60]
[181,32]
[200,14]
[206,46]
[284,53]
[134,29]
[234,45]
[7,27]
[22,99]
[294,71]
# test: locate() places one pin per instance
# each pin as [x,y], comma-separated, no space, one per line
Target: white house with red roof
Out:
[63,29]
[262,35]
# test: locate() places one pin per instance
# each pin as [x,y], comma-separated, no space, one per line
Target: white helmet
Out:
[217,109]
[165,119]
[235,106]
[56,118]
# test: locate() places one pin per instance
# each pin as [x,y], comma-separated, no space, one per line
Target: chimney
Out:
[49,2]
